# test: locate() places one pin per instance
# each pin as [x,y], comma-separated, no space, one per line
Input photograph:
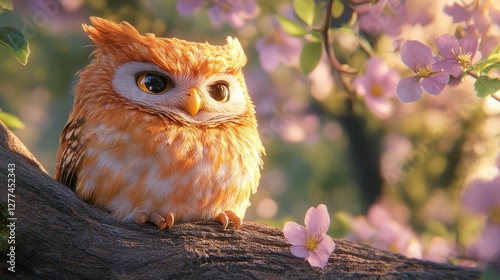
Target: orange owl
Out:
[161,129]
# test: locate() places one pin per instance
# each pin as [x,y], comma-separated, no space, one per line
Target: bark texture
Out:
[59,236]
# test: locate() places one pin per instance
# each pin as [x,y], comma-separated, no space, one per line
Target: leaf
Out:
[363,42]
[484,65]
[337,8]
[291,27]
[310,56]
[305,10]
[6,5]
[14,40]
[491,66]
[485,86]
[11,121]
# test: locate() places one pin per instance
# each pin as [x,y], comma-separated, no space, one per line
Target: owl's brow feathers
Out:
[183,57]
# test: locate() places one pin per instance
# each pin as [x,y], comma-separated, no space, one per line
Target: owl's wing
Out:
[70,153]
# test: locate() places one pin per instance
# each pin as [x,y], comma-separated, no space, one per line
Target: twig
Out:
[342,68]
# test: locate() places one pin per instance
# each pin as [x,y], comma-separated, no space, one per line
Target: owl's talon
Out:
[141,217]
[223,219]
[229,216]
[170,219]
[158,220]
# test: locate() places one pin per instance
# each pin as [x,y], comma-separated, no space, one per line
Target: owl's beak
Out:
[193,101]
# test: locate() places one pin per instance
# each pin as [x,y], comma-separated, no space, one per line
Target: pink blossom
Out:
[187,7]
[276,48]
[234,12]
[311,242]
[487,247]
[475,13]
[480,19]
[459,55]
[418,57]
[483,197]
[384,16]
[380,230]
[440,250]
[377,86]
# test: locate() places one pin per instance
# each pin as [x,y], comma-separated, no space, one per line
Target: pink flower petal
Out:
[295,233]
[415,54]
[450,66]
[482,195]
[269,57]
[250,8]
[447,45]
[380,106]
[487,247]
[361,229]
[378,216]
[318,259]
[235,20]
[317,220]
[327,245]
[361,84]
[434,84]
[187,7]
[216,15]
[409,90]
[459,13]
[299,251]
[469,46]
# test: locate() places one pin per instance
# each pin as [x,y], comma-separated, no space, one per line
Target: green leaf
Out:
[489,67]
[6,5]
[11,121]
[14,40]
[363,42]
[484,65]
[291,27]
[337,8]
[316,37]
[310,56]
[304,10]
[436,228]
[485,86]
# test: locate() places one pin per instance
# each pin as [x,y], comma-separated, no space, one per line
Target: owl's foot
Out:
[157,219]
[228,216]
[162,222]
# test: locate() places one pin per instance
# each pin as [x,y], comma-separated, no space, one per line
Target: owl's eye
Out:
[219,91]
[153,83]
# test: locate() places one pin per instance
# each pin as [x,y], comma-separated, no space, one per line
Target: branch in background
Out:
[342,68]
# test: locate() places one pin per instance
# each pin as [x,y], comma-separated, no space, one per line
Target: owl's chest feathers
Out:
[159,165]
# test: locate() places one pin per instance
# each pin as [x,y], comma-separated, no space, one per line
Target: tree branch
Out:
[59,236]
[342,68]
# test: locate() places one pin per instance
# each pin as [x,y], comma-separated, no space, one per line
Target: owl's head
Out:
[191,82]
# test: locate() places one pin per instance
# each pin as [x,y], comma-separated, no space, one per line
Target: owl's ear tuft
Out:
[235,50]
[105,33]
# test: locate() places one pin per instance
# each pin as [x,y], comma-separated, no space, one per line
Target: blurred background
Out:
[323,145]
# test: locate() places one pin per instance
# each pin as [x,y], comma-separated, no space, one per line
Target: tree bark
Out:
[59,236]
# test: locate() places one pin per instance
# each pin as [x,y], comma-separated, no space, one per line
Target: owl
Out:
[161,129]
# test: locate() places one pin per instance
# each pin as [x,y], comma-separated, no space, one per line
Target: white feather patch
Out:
[174,99]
